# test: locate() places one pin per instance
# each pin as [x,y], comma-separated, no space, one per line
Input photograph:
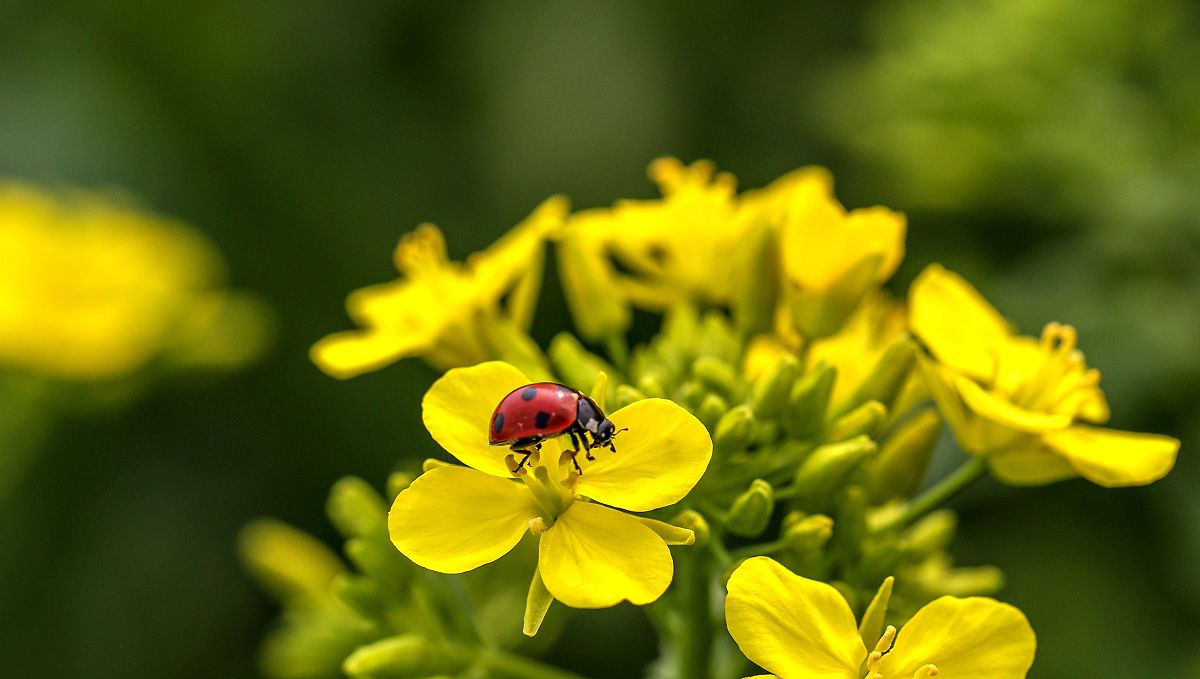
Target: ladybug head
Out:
[604,434]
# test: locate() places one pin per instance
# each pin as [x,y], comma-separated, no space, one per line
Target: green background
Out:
[1050,156]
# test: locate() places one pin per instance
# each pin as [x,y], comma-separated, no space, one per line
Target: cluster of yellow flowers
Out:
[780,427]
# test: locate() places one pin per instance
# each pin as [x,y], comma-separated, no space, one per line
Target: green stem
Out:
[515,666]
[939,494]
[695,635]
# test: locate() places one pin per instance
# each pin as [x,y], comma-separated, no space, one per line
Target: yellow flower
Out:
[453,519]
[857,348]
[832,258]
[803,629]
[1020,400]
[437,310]
[92,289]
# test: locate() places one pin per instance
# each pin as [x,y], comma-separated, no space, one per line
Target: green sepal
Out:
[866,419]
[826,468]
[808,401]
[871,627]
[769,396]
[356,509]
[537,604]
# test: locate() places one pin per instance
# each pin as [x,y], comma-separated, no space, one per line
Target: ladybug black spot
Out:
[542,419]
[528,393]
[498,423]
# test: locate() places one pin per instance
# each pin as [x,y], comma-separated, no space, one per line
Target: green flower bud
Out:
[290,563]
[735,430]
[851,524]
[361,594]
[806,535]
[397,482]
[695,522]
[769,397]
[715,374]
[751,511]
[866,419]
[904,457]
[718,339]
[826,469]
[378,559]
[932,534]
[756,288]
[808,401]
[576,365]
[712,407]
[356,509]
[888,376]
[405,655]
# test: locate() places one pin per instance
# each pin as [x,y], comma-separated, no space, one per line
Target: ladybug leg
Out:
[526,448]
[575,446]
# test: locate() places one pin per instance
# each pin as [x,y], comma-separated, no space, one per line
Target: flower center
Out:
[1062,382]
[875,659]
[552,488]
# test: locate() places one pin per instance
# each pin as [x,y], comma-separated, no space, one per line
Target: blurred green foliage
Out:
[1047,150]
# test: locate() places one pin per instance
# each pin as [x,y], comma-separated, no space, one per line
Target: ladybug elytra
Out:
[535,412]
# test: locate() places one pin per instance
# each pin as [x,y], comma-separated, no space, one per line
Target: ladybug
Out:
[530,414]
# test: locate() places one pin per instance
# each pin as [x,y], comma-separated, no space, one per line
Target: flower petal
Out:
[975,638]
[458,407]
[595,557]
[351,353]
[1029,465]
[453,519]
[658,461]
[792,626]
[1113,458]
[956,322]
[998,409]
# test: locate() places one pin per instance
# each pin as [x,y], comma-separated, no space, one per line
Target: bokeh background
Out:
[1047,149]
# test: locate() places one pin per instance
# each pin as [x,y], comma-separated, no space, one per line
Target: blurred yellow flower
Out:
[803,629]
[1020,400]
[92,289]
[832,258]
[856,349]
[453,519]
[437,310]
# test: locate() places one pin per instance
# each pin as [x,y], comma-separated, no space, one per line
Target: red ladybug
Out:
[530,414]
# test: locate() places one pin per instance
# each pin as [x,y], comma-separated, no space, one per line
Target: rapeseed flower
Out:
[93,289]
[1023,402]
[453,519]
[803,629]
[441,310]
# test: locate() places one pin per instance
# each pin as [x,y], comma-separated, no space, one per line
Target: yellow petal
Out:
[595,557]
[975,638]
[453,519]
[1115,458]
[956,322]
[458,407]
[1029,465]
[348,354]
[792,626]
[996,408]
[658,461]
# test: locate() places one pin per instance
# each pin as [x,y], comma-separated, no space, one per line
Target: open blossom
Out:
[453,519]
[92,288]
[798,628]
[1023,401]
[436,309]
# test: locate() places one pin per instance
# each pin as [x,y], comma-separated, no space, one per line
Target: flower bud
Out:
[884,382]
[827,467]
[378,559]
[769,397]
[904,457]
[288,562]
[808,401]
[575,364]
[695,522]
[931,534]
[866,419]
[397,482]
[356,509]
[735,431]
[651,386]
[404,655]
[851,525]
[711,409]
[597,307]
[625,395]
[807,534]
[361,594]
[431,463]
[751,511]
[716,338]
[715,374]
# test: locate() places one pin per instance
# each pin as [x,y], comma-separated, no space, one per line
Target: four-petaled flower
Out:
[1019,400]
[453,519]
[803,629]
